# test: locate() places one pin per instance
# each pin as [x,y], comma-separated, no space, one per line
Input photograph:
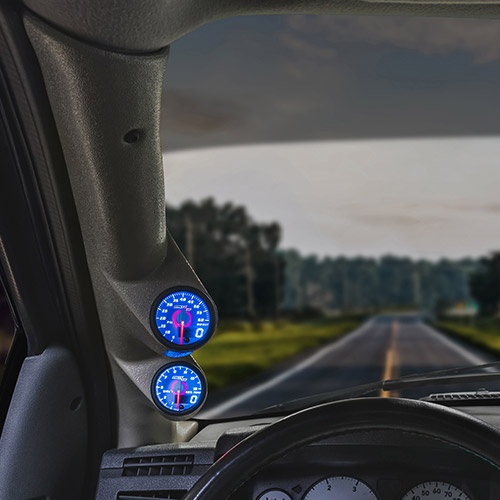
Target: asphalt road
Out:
[385,347]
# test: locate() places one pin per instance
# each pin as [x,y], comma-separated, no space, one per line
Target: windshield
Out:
[334,183]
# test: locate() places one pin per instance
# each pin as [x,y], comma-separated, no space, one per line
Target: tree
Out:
[361,283]
[236,258]
[485,284]
[240,263]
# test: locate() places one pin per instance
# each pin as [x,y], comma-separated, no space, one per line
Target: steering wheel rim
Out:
[252,454]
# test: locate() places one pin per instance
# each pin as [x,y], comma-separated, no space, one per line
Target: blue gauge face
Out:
[184,320]
[179,388]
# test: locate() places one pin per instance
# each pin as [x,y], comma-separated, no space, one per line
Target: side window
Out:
[12,353]
[6,329]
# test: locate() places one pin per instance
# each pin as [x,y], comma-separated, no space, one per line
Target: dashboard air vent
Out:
[172,465]
[480,397]
[150,495]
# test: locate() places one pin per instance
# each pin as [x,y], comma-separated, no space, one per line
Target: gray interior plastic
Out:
[47,411]
[149,25]
[98,97]
[103,65]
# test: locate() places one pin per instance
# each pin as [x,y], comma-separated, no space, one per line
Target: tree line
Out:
[249,276]
[371,284]
[236,258]
[485,284]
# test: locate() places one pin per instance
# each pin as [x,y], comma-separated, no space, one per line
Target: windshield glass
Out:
[334,183]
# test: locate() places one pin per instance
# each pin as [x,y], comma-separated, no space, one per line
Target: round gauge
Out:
[274,495]
[183,319]
[341,487]
[179,388]
[435,490]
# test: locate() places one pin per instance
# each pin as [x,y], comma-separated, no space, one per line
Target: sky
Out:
[360,135]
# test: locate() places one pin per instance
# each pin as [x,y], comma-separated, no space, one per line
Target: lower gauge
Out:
[435,490]
[274,495]
[179,388]
[340,487]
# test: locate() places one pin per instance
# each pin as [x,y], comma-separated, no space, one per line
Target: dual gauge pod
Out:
[183,319]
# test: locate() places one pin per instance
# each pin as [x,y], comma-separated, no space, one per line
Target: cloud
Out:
[492,208]
[196,114]
[421,197]
[300,78]
[478,37]
[423,207]
[416,214]
[399,221]
[306,48]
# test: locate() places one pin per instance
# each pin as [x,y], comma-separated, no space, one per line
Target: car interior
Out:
[100,389]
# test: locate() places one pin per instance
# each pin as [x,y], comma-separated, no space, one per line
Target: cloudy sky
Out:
[360,135]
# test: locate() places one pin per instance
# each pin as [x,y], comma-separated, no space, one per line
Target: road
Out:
[384,347]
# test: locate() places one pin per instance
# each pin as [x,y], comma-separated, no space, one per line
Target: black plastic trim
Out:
[41,247]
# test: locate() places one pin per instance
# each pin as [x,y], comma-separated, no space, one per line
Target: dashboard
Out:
[375,465]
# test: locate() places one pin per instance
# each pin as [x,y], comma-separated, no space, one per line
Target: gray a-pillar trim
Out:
[107,110]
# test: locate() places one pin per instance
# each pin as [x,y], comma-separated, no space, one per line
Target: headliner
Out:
[149,25]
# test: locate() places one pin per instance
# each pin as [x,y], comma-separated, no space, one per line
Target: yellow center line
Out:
[391,366]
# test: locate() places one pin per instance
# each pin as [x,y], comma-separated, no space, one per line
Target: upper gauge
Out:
[184,319]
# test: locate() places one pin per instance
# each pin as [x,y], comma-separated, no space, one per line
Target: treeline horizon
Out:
[336,284]
[249,276]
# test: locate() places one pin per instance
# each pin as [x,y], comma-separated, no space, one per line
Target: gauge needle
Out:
[178,398]
[182,332]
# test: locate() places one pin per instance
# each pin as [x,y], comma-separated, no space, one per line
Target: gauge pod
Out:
[183,319]
[179,389]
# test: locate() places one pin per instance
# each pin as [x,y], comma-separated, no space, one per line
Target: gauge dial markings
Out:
[436,490]
[183,319]
[342,487]
[179,388]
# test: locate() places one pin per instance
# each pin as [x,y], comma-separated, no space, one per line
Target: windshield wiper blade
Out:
[452,371]
[439,377]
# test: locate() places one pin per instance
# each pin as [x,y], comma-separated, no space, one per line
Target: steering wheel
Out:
[333,419]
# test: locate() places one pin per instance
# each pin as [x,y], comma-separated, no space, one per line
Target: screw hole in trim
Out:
[132,136]
[76,403]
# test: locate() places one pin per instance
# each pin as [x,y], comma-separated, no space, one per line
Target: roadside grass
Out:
[240,350]
[483,333]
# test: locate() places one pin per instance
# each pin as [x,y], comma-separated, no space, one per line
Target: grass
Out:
[240,350]
[483,333]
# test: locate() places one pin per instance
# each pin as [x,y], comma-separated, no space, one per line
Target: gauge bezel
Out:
[212,309]
[308,490]
[204,388]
